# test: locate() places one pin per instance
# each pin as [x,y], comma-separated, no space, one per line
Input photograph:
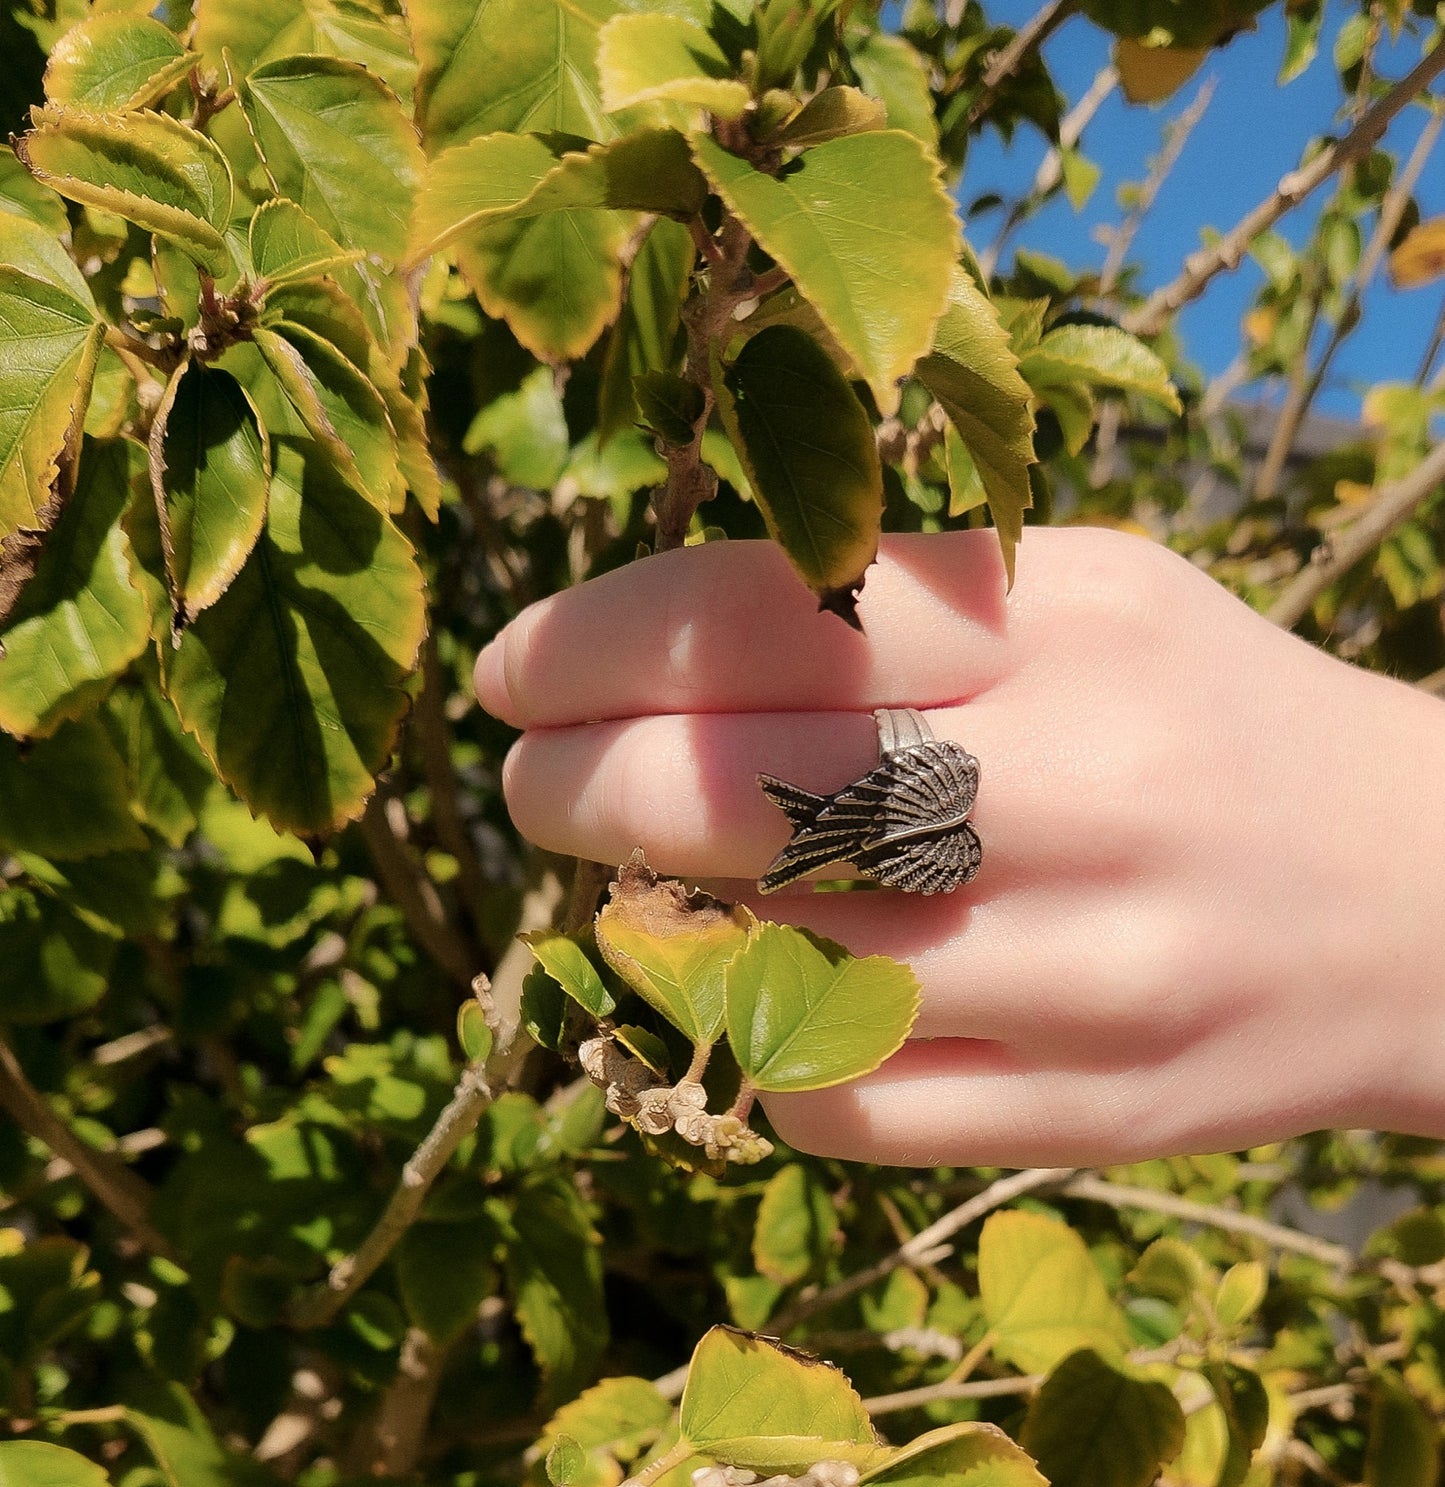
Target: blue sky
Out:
[1252,134]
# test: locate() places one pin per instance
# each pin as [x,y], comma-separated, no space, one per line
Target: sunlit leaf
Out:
[336,141]
[892,70]
[288,244]
[1100,356]
[21,195]
[1150,74]
[146,167]
[804,1014]
[568,965]
[643,58]
[1420,256]
[672,947]
[797,1225]
[808,447]
[831,113]
[869,236]
[80,622]
[116,62]
[969,1454]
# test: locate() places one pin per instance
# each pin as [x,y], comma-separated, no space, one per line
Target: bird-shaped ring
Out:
[904,824]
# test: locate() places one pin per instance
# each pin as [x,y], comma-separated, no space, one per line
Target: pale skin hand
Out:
[1210,911]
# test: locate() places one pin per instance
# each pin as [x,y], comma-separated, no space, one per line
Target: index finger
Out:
[729,627]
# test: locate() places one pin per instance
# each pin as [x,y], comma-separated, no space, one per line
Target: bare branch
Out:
[1031,35]
[398,1432]
[113,1185]
[1151,317]
[1392,507]
[405,881]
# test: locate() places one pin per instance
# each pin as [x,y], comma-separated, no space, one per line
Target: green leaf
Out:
[1091,1425]
[1302,40]
[868,235]
[49,342]
[803,1014]
[968,1454]
[337,142]
[566,1463]
[965,485]
[645,338]
[613,1421]
[445,1272]
[339,406]
[474,1033]
[169,775]
[179,1437]
[1174,1271]
[797,1225]
[509,65]
[1100,356]
[808,447]
[1403,1449]
[56,964]
[21,195]
[892,69]
[1241,1293]
[1245,1403]
[555,279]
[669,405]
[66,796]
[554,1276]
[357,32]
[831,114]
[672,947]
[645,58]
[509,177]
[758,1405]
[525,432]
[544,1008]
[288,245]
[292,682]
[31,248]
[80,621]
[116,62]
[146,167]
[1042,1294]
[211,471]
[565,961]
[973,373]
[39,1464]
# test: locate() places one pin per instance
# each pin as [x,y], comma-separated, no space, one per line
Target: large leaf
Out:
[179,1436]
[809,451]
[1041,1292]
[293,681]
[513,65]
[211,470]
[868,234]
[757,1405]
[642,58]
[288,245]
[672,947]
[66,796]
[1100,356]
[1092,1425]
[34,250]
[556,279]
[968,1454]
[252,33]
[804,1014]
[80,622]
[335,140]
[49,342]
[973,373]
[39,1464]
[339,406]
[512,176]
[146,167]
[116,62]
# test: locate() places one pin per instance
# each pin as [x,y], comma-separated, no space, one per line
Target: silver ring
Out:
[904,824]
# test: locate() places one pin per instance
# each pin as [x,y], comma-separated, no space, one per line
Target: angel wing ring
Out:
[904,824]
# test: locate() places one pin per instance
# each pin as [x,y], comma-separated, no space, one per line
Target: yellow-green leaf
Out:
[1042,1294]
[968,1454]
[644,58]
[565,961]
[973,373]
[672,947]
[831,114]
[1420,256]
[868,234]
[1403,1449]
[39,1464]
[116,62]
[797,1225]
[802,1013]
[288,245]
[146,167]
[1100,356]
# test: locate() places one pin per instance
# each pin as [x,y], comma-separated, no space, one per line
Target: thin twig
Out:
[472,1096]
[1432,348]
[113,1185]
[1304,390]
[405,881]
[1392,507]
[1277,1236]
[925,1242]
[1030,36]
[1161,306]
[912,1399]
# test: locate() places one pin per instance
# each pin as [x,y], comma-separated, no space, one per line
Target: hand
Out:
[1209,913]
